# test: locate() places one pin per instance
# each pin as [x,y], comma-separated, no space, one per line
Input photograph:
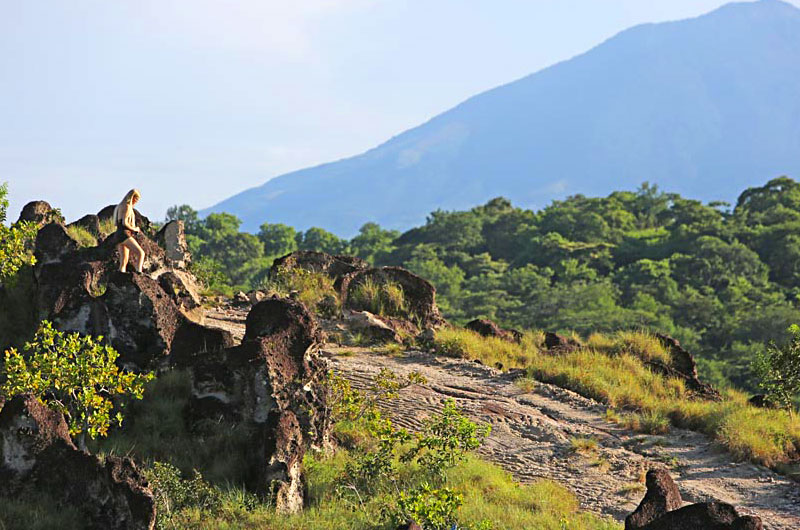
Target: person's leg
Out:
[139,253]
[124,255]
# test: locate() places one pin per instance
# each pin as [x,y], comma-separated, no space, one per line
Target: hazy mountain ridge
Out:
[704,106]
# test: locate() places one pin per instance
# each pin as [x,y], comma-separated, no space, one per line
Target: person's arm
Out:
[129,214]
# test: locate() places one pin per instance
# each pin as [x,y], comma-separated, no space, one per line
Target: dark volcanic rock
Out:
[558,343]
[145,316]
[662,496]
[37,454]
[420,294]
[336,267]
[761,401]
[90,223]
[683,366]
[39,212]
[661,509]
[488,328]
[272,385]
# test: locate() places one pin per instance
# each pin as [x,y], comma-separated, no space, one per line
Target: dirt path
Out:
[532,433]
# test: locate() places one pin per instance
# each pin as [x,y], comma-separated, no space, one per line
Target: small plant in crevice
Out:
[381,298]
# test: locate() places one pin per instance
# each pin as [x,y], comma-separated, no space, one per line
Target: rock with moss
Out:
[335,266]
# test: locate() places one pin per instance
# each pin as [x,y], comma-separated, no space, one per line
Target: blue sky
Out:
[192,101]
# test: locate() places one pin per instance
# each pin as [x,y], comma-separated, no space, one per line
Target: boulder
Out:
[37,454]
[335,266]
[420,294]
[662,496]
[271,385]
[371,325]
[90,223]
[661,509]
[560,344]
[488,328]
[761,401]
[53,242]
[683,366]
[38,212]
[172,239]
[706,515]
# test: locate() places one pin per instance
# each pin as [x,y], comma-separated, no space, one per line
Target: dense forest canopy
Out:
[724,281]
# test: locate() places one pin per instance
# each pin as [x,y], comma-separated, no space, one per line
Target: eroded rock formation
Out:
[683,366]
[662,509]
[144,316]
[272,385]
[37,454]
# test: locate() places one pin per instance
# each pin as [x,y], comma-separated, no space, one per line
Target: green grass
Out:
[37,511]
[107,227]
[155,431]
[384,299]
[83,237]
[616,376]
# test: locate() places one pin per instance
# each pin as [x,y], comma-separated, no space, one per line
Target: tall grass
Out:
[83,237]
[609,368]
[380,298]
[312,287]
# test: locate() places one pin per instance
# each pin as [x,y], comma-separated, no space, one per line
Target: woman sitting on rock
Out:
[125,219]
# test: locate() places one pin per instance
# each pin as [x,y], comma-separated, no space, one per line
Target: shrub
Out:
[173,493]
[779,371]
[74,375]
[15,241]
[432,508]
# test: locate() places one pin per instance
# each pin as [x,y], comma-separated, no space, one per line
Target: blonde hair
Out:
[122,207]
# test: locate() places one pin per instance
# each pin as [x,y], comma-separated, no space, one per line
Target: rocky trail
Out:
[533,429]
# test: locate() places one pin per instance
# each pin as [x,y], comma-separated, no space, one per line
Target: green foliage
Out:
[15,241]
[278,239]
[174,494]
[316,238]
[779,371]
[74,375]
[373,243]
[432,508]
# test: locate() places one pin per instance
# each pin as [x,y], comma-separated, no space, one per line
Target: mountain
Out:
[702,107]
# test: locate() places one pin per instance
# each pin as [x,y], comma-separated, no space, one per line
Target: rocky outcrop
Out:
[761,401]
[419,294]
[271,385]
[488,328]
[37,454]
[662,509]
[38,212]
[556,343]
[374,327]
[172,239]
[335,266]
[144,316]
[90,223]
[683,366]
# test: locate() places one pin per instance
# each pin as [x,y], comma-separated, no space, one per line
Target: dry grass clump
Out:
[313,288]
[609,368]
[107,227]
[380,298]
[83,237]
[583,444]
[467,344]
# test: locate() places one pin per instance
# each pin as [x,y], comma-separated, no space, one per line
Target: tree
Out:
[184,213]
[373,243]
[320,240]
[779,370]
[72,374]
[14,241]
[278,239]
